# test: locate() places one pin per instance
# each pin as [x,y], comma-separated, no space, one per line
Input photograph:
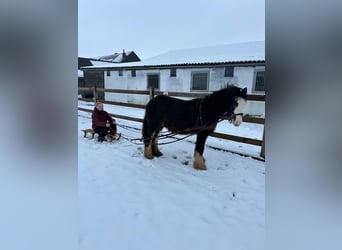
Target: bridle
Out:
[234,115]
[231,116]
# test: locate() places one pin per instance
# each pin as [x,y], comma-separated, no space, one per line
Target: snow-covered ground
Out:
[128,202]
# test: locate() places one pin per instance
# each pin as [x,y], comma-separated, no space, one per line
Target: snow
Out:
[116,57]
[98,63]
[129,202]
[237,52]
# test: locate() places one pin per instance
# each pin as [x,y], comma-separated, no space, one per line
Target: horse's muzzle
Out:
[237,122]
[236,119]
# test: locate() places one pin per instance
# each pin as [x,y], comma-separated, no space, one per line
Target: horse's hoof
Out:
[157,154]
[148,153]
[150,157]
[199,162]
[200,166]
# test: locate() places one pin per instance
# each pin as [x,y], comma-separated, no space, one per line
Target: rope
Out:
[132,140]
[168,135]
[165,135]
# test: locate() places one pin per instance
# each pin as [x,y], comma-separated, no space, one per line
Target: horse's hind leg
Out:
[155,149]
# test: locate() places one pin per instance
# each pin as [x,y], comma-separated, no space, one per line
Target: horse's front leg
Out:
[148,148]
[155,149]
[147,134]
[199,161]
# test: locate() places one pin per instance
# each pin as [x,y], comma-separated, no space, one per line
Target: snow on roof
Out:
[229,53]
[116,57]
[99,63]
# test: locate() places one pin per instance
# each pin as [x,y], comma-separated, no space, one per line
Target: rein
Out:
[232,116]
[191,132]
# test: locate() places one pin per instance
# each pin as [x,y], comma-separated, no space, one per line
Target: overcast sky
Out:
[152,27]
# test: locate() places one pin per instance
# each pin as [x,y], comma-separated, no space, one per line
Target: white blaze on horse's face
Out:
[239,109]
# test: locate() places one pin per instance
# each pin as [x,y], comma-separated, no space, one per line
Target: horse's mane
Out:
[230,90]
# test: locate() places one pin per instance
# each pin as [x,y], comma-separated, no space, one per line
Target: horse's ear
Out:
[244,91]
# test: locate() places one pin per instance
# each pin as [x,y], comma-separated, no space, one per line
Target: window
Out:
[173,72]
[259,81]
[199,81]
[133,73]
[108,73]
[229,71]
[120,72]
[153,81]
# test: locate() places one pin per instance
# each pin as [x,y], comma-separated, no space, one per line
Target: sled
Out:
[111,138]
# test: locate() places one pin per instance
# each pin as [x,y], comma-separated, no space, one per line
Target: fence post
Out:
[151,92]
[262,153]
[95,93]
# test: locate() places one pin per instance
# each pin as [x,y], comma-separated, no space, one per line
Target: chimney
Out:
[124,55]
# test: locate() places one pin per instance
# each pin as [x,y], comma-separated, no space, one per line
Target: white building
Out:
[192,70]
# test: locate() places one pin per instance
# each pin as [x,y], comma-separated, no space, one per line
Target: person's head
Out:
[99,105]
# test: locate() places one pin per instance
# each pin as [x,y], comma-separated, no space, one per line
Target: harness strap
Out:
[231,116]
[200,115]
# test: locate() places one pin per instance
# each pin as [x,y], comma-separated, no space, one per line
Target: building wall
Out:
[243,77]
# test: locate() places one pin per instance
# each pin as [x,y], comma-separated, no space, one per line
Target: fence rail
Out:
[151,92]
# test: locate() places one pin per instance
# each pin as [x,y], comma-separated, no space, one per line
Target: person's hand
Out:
[107,125]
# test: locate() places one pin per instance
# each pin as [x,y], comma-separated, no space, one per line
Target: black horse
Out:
[197,116]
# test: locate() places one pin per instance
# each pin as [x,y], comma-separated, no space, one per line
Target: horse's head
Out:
[237,105]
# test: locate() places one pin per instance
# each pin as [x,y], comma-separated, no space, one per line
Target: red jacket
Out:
[100,118]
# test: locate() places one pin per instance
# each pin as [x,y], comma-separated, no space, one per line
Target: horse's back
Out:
[169,104]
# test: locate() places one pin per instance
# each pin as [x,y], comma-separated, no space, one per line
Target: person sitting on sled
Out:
[102,122]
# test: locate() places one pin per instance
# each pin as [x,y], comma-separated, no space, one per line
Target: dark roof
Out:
[83,62]
[128,56]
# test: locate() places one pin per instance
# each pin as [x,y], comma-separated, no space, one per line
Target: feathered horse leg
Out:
[147,135]
[199,161]
[155,149]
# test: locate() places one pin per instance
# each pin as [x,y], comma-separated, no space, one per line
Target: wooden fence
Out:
[151,93]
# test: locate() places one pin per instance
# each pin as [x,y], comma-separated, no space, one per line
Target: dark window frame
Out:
[120,72]
[196,76]
[259,81]
[133,73]
[108,72]
[229,71]
[173,72]
[149,84]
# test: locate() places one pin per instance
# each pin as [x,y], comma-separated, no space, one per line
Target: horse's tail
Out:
[146,122]
[145,127]
[153,117]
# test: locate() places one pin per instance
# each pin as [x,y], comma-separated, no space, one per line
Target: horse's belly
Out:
[180,129]
[177,128]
